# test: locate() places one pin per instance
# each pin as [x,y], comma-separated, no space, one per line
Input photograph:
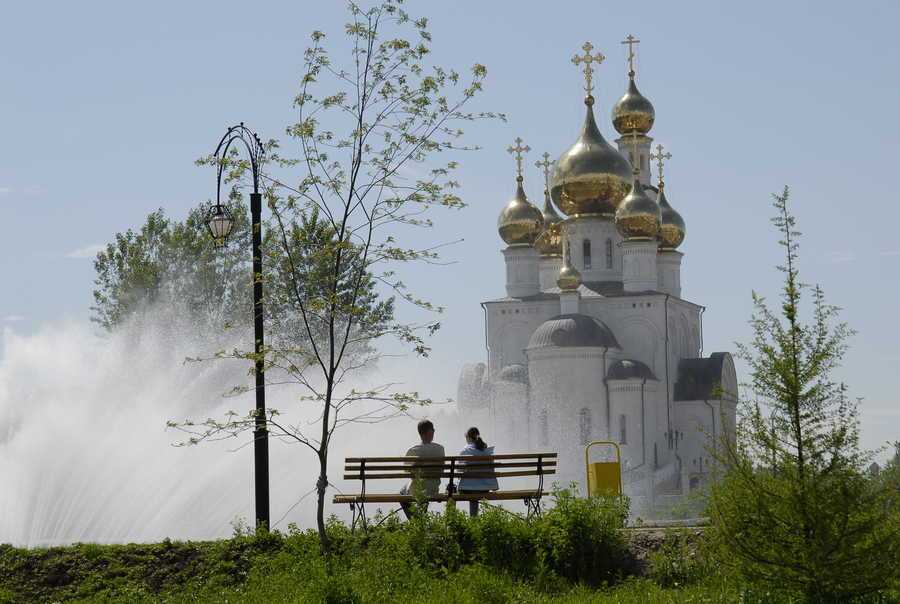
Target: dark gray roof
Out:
[572,330]
[700,379]
[513,373]
[629,369]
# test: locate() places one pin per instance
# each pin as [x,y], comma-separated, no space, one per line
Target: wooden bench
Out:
[452,468]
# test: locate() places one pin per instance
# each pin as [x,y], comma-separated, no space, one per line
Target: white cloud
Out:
[88,251]
[13,318]
[840,257]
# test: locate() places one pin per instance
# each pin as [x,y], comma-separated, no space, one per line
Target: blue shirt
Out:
[477,484]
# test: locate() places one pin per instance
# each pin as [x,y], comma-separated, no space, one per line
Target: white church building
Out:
[594,339]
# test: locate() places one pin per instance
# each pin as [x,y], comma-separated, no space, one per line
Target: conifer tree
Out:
[796,511]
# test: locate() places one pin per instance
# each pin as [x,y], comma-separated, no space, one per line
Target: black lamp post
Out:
[220,223]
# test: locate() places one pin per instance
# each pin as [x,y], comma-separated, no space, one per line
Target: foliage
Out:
[796,511]
[682,559]
[372,146]
[461,559]
[169,260]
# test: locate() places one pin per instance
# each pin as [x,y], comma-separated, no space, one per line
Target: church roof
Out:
[628,369]
[572,330]
[700,379]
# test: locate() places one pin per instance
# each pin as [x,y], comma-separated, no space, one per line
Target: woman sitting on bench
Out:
[477,447]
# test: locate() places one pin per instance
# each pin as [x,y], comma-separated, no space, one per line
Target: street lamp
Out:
[220,223]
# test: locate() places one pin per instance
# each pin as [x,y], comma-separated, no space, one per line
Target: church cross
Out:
[587,59]
[517,151]
[630,41]
[660,157]
[545,167]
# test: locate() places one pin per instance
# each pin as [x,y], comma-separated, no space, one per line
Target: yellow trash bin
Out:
[603,477]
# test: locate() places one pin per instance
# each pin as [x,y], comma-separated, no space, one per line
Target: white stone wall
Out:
[521,271]
[548,268]
[606,252]
[669,272]
[635,400]
[567,384]
[627,145]
[639,265]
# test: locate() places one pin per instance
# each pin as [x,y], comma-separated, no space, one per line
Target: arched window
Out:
[544,428]
[609,258]
[623,430]
[584,419]
[586,252]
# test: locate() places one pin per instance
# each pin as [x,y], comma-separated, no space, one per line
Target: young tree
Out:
[796,510]
[367,136]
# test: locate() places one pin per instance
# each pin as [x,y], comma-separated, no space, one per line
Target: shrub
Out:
[579,539]
[681,560]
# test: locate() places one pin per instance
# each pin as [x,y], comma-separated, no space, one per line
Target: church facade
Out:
[594,339]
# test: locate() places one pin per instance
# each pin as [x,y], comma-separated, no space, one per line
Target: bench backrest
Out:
[452,467]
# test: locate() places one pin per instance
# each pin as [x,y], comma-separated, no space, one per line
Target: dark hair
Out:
[425,426]
[473,434]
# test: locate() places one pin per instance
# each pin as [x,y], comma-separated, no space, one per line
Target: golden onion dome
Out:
[569,278]
[591,177]
[633,113]
[549,242]
[520,222]
[638,216]
[671,224]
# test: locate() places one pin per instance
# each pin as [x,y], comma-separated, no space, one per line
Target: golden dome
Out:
[569,278]
[638,216]
[671,226]
[520,222]
[591,177]
[633,114]
[549,242]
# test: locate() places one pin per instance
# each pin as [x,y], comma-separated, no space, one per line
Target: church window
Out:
[585,424]
[543,426]
[609,251]
[623,430]
[655,456]
[586,251]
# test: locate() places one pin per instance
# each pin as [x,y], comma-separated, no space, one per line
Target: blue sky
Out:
[105,105]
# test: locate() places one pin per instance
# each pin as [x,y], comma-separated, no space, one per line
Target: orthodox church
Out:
[594,339]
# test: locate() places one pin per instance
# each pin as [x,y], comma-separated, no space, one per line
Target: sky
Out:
[104,107]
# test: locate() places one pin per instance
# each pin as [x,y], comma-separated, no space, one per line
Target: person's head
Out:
[426,430]
[473,436]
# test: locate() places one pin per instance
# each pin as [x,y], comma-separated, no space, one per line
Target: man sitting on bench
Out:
[423,485]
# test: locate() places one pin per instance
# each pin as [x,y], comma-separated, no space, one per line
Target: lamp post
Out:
[220,223]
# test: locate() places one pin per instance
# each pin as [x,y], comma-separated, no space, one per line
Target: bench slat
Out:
[470,474]
[457,457]
[441,497]
[355,467]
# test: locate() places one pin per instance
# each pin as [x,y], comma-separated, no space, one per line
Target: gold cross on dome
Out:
[545,167]
[517,152]
[630,41]
[660,157]
[587,59]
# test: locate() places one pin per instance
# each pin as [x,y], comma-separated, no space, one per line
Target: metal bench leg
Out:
[533,504]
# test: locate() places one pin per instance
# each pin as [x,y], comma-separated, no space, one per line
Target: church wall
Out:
[568,403]
[605,260]
[509,327]
[633,404]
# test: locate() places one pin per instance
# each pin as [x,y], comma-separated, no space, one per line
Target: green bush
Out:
[579,538]
[478,560]
[681,560]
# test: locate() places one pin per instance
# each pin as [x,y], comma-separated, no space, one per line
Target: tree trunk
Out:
[321,488]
